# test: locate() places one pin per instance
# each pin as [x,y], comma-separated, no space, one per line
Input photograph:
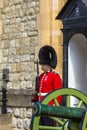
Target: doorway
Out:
[77,63]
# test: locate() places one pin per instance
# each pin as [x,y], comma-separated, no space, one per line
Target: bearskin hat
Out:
[47,55]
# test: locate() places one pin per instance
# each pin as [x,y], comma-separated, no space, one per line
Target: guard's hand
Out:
[35,98]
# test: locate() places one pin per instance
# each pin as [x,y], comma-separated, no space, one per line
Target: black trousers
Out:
[46,121]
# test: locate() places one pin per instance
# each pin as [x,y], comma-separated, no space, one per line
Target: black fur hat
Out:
[47,55]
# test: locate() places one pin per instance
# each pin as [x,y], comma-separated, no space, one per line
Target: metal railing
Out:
[3,91]
[3,101]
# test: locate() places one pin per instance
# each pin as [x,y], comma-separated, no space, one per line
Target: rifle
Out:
[35,97]
[37,77]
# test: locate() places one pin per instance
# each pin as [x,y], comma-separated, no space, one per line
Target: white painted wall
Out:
[77,63]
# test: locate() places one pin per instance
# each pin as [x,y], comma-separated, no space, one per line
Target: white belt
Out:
[42,94]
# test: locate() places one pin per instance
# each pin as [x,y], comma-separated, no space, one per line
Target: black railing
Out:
[3,91]
[3,101]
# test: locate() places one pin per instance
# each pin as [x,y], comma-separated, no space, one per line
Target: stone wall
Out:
[18,42]
[26,26]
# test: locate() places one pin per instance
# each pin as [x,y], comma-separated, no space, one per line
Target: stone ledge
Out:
[6,127]
[19,98]
[5,119]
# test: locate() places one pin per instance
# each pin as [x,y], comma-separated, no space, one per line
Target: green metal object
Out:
[64,123]
[58,111]
[74,114]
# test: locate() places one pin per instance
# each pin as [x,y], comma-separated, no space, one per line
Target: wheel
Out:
[62,123]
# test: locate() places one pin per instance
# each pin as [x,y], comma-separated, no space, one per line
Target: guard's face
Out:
[45,68]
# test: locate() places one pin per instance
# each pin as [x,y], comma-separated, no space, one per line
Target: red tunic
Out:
[48,82]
